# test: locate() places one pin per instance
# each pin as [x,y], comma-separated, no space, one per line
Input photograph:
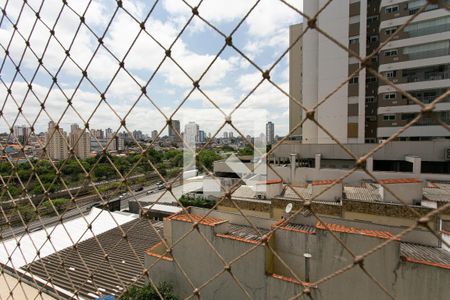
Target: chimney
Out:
[410,190]
[333,194]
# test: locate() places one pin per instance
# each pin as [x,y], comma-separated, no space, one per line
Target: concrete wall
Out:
[254,270]
[309,174]
[397,150]
[295,78]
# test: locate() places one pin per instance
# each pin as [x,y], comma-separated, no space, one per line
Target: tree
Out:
[207,158]
[247,150]
[149,293]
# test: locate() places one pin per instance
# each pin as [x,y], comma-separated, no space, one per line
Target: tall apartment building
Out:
[367,110]
[56,142]
[418,61]
[21,134]
[191,130]
[270,133]
[80,141]
[174,131]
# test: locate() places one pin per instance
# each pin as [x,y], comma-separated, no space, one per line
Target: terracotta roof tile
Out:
[152,252]
[399,180]
[347,229]
[323,182]
[271,181]
[190,218]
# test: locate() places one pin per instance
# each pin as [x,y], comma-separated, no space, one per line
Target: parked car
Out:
[139,189]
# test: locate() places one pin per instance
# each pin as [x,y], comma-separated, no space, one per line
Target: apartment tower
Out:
[80,141]
[56,142]
[367,110]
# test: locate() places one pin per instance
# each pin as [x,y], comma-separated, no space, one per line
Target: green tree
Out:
[207,158]
[149,293]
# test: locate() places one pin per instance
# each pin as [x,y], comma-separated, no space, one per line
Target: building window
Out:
[370,99]
[391,9]
[371,79]
[372,19]
[389,96]
[353,41]
[392,52]
[390,74]
[408,117]
[390,31]
[354,80]
[389,117]
[373,39]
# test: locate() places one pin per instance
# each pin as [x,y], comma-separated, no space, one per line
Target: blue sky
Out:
[262,37]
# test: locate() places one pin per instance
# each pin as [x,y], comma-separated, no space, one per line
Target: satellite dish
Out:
[288,208]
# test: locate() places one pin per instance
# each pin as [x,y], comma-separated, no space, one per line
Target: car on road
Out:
[160,186]
[139,189]
[150,192]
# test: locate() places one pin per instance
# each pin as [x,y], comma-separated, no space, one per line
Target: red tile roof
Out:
[323,182]
[398,180]
[271,181]
[152,252]
[347,229]
[190,218]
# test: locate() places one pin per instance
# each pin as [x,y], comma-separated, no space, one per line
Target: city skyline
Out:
[170,86]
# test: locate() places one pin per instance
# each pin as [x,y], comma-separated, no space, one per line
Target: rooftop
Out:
[347,229]
[123,267]
[425,255]
[399,180]
[190,218]
[244,233]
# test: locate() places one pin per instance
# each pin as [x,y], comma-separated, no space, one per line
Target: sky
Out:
[263,37]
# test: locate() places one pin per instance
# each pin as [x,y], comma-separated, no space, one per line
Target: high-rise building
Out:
[154,135]
[108,133]
[174,131]
[56,142]
[21,134]
[367,109]
[225,135]
[201,136]
[80,141]
[138,135]
[295,80]
[270,133]
[191,130]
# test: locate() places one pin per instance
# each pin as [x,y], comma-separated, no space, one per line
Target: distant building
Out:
[191,130]
[201,136]
[80,141]
[154,135]
[270,133]
[108,133]
[21,134]
[56,141]
[175,131]
[138,135]
[98,133]
[225,135]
